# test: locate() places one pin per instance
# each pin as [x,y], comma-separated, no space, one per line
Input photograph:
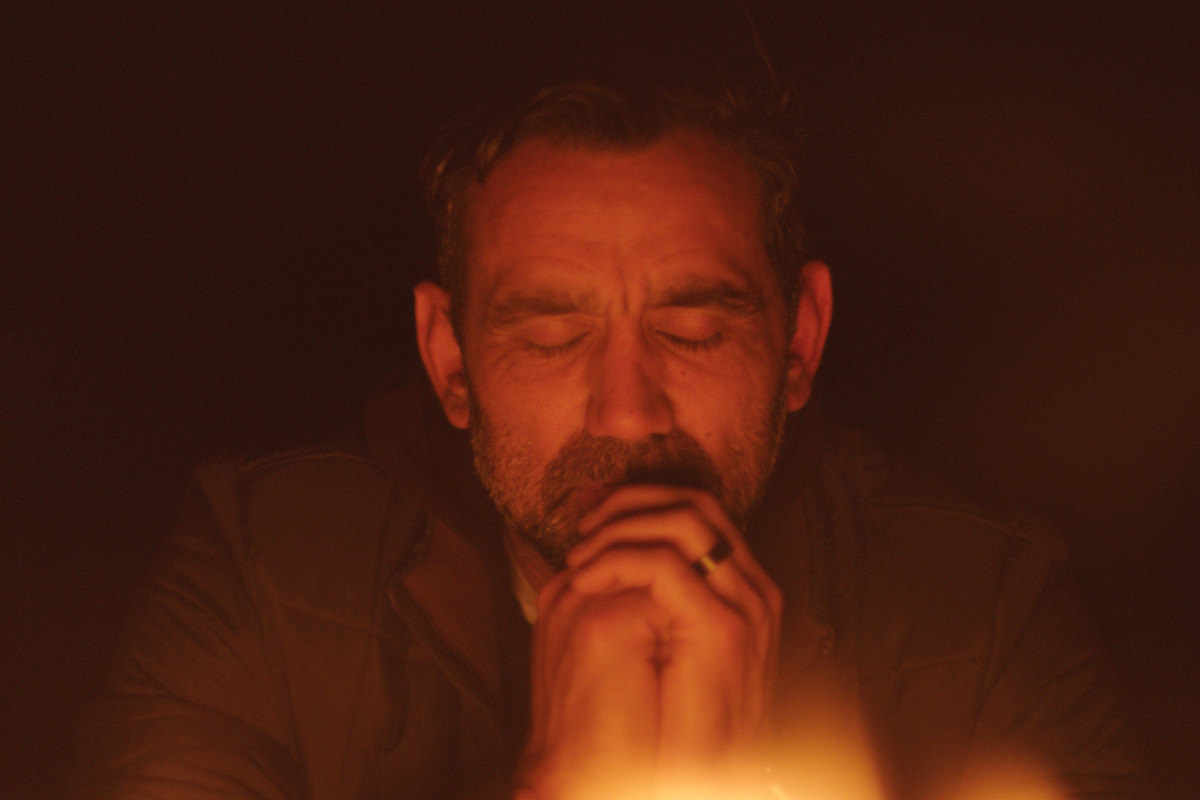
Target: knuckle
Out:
[601,625]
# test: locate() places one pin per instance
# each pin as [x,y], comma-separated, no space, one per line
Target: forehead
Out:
[680,210]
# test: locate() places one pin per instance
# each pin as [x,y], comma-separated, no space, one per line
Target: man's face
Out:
[622,324]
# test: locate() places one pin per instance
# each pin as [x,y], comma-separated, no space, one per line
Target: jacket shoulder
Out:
[943,579]
[313,523]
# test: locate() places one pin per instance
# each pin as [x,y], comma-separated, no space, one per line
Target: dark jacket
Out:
[337,622]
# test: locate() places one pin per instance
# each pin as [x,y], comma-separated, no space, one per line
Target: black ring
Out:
[706,563]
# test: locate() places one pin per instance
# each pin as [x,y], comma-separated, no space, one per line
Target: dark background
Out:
[214,222]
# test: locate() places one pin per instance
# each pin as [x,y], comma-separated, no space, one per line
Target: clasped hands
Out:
[642,665]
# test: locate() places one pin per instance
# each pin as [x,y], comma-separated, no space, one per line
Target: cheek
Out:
[716,403]
[538,415]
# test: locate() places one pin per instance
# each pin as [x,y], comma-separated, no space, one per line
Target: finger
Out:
[595,685]
[636,498]
[570,622]
[704,712]
[696,610]
[702,523]
[682,532]
[718,654]
[680,524]
[548,609]
[689,519]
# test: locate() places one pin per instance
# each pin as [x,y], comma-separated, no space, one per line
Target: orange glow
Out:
[820,773]
[827,756]
[1009,779]
[830,760]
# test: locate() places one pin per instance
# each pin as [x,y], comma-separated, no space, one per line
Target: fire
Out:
[838,779]
[832,762]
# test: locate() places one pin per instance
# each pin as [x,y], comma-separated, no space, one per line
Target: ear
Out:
[814,311]
[440,351]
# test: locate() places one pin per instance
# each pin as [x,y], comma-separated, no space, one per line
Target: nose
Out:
[627,400]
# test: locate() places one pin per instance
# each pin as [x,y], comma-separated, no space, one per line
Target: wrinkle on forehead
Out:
[600,197]
[557,216]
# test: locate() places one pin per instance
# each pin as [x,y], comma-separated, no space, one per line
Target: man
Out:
[669,582]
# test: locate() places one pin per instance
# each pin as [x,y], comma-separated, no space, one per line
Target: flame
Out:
[826,754]
[834,766]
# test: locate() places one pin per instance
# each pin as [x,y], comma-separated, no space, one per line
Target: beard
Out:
[544,506]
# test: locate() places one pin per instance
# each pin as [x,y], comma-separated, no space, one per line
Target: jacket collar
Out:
[451,587]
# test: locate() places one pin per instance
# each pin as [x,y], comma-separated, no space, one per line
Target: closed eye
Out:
[693,345]
[690,329]
[552,335]
[552,350]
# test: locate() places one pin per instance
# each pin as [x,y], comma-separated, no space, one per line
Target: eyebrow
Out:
[723,296]
[518,307]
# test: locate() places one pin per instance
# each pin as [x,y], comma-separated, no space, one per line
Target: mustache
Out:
[672,459]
